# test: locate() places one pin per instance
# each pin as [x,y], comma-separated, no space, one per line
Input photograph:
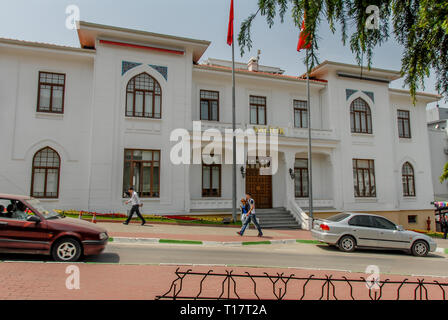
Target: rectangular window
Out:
[364,178]
[211,180]
[404,124]
[51,92]
[412,219]
[300,114]
[257,110]
[301,178]
[209,105]
[142,171]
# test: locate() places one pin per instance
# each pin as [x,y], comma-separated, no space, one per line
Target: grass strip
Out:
[446,251]
[249,243]
[308,241]
[179,241]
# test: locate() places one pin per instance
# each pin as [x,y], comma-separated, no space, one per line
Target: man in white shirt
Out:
[136,203]
[250,216]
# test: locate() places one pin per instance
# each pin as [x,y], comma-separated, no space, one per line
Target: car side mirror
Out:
[35,219]
[400,228]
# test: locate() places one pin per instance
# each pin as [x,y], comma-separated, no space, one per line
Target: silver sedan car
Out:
[353,230]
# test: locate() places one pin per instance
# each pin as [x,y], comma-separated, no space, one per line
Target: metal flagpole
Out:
[310,164]
[233,135]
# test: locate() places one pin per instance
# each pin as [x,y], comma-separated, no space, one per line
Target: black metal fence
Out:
[229,286]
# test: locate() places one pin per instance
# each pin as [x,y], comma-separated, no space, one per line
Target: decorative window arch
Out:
[360,116]
[408,179]
[143,97]
[45,174]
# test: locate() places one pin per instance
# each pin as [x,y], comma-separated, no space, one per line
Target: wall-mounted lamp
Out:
[243,172]
[292,174]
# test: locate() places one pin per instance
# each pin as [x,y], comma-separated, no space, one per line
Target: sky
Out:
[44,21]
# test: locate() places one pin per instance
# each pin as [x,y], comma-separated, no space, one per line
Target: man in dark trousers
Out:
[136,204]
[250,216]
[444,225]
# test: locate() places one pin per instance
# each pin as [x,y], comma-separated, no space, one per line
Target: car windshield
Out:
[48,214]
[338,217]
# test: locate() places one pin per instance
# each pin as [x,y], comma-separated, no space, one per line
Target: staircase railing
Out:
[299,215]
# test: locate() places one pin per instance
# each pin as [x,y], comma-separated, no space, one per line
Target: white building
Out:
[79,125]
[438,144]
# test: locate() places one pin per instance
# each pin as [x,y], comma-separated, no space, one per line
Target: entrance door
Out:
[260,186]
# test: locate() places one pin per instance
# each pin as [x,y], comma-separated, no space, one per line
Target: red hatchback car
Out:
[26,227]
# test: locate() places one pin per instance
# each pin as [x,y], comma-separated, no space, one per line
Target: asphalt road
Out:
[305,256]
[295,255]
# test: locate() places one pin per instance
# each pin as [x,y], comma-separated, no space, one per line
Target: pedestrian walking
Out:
[250,216]
[244,207]
[444,225]
[136,204]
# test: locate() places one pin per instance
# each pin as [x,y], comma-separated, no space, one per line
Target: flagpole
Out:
[233,135]
[310,164]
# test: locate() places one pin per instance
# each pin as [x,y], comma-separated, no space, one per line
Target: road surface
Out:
[304,256]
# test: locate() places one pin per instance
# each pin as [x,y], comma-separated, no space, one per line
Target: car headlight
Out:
[103,236]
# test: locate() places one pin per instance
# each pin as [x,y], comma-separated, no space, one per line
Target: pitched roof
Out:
[258,73]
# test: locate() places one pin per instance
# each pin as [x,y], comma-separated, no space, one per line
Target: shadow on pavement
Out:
[107,257]
[397,252]
[24,257]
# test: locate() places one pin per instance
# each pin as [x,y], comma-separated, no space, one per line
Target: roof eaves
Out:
[259,74]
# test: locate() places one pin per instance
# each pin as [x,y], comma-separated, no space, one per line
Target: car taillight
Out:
[324,227]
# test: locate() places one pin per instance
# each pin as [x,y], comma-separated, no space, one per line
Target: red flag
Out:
[303,38]
[230,30]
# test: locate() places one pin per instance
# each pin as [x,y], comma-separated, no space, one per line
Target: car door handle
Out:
[3,223]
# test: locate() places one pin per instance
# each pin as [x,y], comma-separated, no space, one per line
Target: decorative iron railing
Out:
[190,285]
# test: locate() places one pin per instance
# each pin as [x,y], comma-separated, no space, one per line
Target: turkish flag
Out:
[230,29]
[303,38]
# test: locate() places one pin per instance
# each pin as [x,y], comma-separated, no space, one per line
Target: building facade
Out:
[81,125]
[438,143]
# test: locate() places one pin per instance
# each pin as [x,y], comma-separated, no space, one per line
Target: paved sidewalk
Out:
[44,281]
[199,233]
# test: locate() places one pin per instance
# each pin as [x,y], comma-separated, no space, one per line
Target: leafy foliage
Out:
[444,175]
[420,26]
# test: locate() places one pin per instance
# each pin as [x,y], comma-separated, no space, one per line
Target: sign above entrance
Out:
[269,130]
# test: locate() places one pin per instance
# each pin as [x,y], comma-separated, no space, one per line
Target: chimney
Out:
[252,65]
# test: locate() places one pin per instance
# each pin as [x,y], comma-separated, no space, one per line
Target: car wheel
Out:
[347,244]
[66,250]
[420,248]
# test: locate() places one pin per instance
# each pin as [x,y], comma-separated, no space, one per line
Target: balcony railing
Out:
[291,132]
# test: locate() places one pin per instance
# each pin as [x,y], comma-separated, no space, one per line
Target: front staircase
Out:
[276,218]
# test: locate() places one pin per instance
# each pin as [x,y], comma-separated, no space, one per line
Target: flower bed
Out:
[433,234]
[161,218]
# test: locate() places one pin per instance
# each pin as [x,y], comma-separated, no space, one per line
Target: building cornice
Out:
[257,74]
[431,97]
[89,33]
[13,43]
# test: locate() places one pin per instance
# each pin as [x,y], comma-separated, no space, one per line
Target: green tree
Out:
[444,175]
[420,26]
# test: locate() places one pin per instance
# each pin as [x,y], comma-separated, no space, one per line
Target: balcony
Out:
[291,132]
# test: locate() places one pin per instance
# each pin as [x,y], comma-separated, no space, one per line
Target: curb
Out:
[442,250]
[124,240]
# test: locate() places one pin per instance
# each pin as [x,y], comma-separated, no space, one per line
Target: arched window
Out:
[143,97]
[360,117]
[407,174]
[45,176]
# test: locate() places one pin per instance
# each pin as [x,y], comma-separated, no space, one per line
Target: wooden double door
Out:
[260,186]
